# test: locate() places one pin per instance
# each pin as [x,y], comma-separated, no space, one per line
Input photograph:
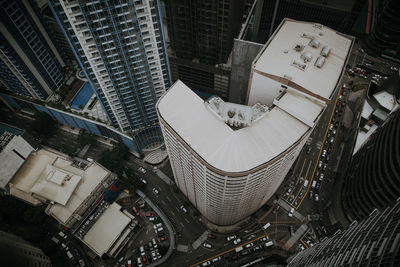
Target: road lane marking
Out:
[187,220]
[320,151]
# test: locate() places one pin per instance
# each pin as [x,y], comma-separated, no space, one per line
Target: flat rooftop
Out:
[50,176]
[14,150]
[286,47]
[106,230]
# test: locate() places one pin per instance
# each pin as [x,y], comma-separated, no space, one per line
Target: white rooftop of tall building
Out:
[292,111]
[107,229]
[49,176]
[13,152]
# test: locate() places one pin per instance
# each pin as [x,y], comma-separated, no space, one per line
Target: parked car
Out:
[211,236]
[142,170]
[207,245]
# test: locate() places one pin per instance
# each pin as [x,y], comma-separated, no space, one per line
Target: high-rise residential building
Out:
[385,29]
[373,178]
[338,15]
[374,241]
[229,159]
[120,47]
[18,252]
[201,37]
[30,64]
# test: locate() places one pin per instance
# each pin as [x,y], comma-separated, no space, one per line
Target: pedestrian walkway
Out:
[200,240]
[287,207]
[83,151]
[293,239]
[163,177]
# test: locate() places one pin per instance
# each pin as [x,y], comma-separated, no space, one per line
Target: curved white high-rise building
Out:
[229,159]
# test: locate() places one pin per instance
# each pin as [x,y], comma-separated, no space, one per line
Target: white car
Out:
[237,241]
[143,180]
[157,225]
[155,191]
[229,238]
[207,245]
[291,212]
[142,170]
[249,245]
[183,209]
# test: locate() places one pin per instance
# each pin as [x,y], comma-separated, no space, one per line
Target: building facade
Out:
[371,242]
[121,48]
[229,159]
[337,15]
[30,64]
[18,252]
[201,37]
[373,178]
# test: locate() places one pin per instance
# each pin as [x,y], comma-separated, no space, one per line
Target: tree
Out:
[86,138]
[44,124]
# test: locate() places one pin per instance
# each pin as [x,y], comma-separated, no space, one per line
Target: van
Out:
[305,183]
[266,226]
[313,184]
[69,254]
[268,244]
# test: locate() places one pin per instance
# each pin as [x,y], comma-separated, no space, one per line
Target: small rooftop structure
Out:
[235,115]
[107,229]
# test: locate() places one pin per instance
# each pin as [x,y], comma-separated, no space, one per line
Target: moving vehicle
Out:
[266,226]
[183,209]
[238,249]
[155,191]
[237,241]
[142,170]
[291,212]
[69,254]
[229,238]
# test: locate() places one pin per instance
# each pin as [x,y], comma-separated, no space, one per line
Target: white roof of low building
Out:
[12,156]
[386,100]
[106,230]
[51,176]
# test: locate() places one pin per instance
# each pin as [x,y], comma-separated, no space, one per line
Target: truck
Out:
[238,249]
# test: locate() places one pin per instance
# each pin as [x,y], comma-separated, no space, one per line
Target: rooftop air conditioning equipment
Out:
[314,43]
[325,51]
[299,48]
[319,62]
[306,56]
[299,65]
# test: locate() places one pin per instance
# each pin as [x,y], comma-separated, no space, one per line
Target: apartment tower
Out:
[30,64]
[120,47]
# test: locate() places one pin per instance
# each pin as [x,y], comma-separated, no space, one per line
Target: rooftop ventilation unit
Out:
[319,62]
[299,65]
[314,43]
[325,51]
[306,56]
[299,48]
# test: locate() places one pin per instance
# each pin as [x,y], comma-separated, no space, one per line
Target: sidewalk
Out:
[163,177]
